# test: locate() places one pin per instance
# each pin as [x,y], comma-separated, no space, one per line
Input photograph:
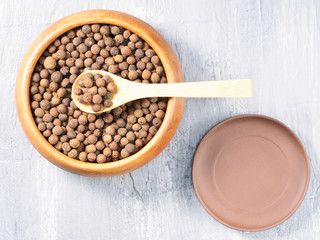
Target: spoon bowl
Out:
[119,97]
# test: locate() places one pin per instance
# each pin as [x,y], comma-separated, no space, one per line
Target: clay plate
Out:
[250,172]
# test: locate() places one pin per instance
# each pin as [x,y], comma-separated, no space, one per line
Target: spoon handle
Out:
[208,89]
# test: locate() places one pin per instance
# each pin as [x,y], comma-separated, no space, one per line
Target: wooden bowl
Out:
[174,108]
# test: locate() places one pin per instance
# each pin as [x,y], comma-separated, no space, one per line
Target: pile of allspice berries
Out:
[99,138]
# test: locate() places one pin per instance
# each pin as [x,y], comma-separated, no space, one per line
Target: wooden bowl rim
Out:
[174,108]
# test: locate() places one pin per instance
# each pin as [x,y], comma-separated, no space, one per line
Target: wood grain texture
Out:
[275,43]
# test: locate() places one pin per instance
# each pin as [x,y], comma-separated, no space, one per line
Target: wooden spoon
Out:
[128,91]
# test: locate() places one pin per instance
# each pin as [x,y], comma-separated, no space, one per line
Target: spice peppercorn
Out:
[74,143]
[124,153]
[53,139]
[83,156]
[57,130]
[100,145]
[92,139]
[50,63]
[73,153]
[130,148]
[66,147]
[92,157]
[90,148]
[101,158]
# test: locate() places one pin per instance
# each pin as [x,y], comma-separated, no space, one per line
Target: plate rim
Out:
[306,160]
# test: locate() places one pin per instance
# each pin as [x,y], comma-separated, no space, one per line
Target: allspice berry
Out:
[53,139]
[66,147]
[107,138]
[111,87]
[113,146]
[74,143]
[110,130]
[39,112]
[92,139]
[57,130]
[107,152]
[92,157]
[87,97]
[100,82]
[130,147]
[83,156]
[73,153]
[124,153]
[101,158]
[100,145]
[97,99]
[50,63]
[90,148]
[96,107]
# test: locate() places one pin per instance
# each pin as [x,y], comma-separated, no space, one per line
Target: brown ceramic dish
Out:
[174,109]
[251,172]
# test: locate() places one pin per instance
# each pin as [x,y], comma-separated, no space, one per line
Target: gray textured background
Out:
[276,43]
